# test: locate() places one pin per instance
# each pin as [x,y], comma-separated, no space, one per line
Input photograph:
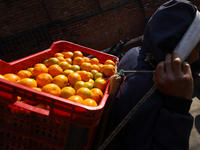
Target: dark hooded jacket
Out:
[162,121]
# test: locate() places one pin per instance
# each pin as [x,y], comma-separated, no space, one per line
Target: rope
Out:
[121,73]
[128,116]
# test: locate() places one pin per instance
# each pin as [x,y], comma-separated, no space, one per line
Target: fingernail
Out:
[186,63]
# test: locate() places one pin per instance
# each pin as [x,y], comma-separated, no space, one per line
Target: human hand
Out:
[174,78]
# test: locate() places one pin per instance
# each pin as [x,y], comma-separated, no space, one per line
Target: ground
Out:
[195,112]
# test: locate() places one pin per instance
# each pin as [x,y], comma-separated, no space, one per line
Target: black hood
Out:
[167,26]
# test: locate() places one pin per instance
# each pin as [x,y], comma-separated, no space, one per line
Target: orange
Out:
[77,61]
[79,84]
[69,60]
[102,69]
[28,82]
[100,83]
[43,79]
[67,54]
[55,70]
[91,81]
[67,91]
[61,58]
[45,62]
[12,77]
[47,108]
[39,64]
[75,68]
[22,101]
[58,55]
[37,88]
[84,92]
[30,69]
[51,61]
[88,85]
[67,72]
[41,106]
[2,77]
[65,65]
[85,76]
[76,98]
[86,66]
[73,78]
[95,67]
[33,102]
[94,61]
[19,98]
[100,66]
[94,72]
[108,61]
[52,88]
[38,69]
[89,102]
[86,59]
[60,80]
[91,75]
[77,54]
[24,74]
[97,94]
[98,75]
[109,70]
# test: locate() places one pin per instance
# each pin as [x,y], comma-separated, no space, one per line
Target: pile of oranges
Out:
[69,75]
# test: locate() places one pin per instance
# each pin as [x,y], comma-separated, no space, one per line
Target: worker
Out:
[163,121]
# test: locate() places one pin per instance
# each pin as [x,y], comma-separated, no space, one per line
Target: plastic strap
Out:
[124,78]
[128,116]
[121,73]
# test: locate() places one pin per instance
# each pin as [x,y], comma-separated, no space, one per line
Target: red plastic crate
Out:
[67,125]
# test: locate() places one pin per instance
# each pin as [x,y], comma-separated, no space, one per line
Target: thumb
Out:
[154,78]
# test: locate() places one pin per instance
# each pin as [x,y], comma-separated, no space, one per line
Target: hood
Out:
[167,26]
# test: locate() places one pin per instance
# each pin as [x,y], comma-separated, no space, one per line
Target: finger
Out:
[160,70]
[176,62]
[186,68]
[154,78]
[168,63]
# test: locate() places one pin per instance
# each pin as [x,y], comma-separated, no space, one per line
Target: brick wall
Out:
[20,15]
[92,23]
[100,31]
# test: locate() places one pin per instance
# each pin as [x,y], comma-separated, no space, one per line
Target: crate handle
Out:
[32,108]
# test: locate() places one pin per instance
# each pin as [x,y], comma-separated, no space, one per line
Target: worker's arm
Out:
[174,123]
